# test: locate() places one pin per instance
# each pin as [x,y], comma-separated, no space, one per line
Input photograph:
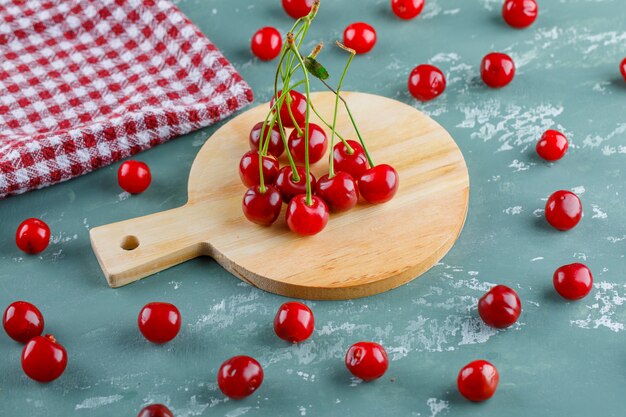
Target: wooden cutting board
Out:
[365,251]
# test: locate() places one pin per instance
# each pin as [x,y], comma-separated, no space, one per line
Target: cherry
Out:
[32,236]
[573,281]
[478,380]
[552,146]
[298,108]
[359,36]
[305,219]
[155,410]
[379,184]
[275,147]
[407,9]
[563,210]
[159,322]
[43,358]
[262,208]
[520,13]
[288,187]
[134,176]
[354,164]
[367,360]
[497,69]
[249,169]
[294,322]
[622,68]
[317,144]
[22,321]
[426,82]
[339,192]
[500,307]
[239,377]
[266,43]
[297,8]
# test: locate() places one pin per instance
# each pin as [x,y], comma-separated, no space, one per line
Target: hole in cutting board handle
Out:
[129,243]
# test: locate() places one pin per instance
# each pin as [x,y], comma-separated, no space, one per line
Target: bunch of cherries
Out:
[351,171]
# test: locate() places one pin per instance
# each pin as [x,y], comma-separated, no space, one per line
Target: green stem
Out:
[319,116]
[331,168]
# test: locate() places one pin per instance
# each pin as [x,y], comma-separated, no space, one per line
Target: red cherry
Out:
[367,360]
[22,321]
[497,69]
[304,219]
[298,108]
[500,307]
[520,13]
[155,410]
[426,82]
[239,377]
[573,281]
[563,210]
[379,184]
[288,187]
[32,236]
[159,322]
[275,147]
[552,146]
[317,144]
[249,169]
[359,36]
[262,208]
[297,8]
[622,68]
[339,192]
[294,322]
[407,9]
[266,43]
[134,176]
[354,164]
[43,359]
[478,380]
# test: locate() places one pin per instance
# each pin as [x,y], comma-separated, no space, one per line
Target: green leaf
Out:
[315,68]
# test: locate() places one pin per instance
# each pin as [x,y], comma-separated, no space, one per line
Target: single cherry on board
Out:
[44,359]
[294,322]
[266,43]
[318,144]
[22,321]
[407,9]
[573,281]
[379,184]
[289,187]
[304,219]
[340,192]
[426,82]
[478,380]
[249,169]
[275,147]
[155,410]
[239,377]
[297,104]
[354,163]
[622,68]
[359,36]
[32,236]
[497,69]
[262,208]
[159,322]
[367,360]
[563,210]
[520,13]
[552,146]
[500,307]
[134,177]
[297,8]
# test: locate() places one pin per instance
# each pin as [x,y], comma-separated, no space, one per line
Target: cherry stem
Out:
[331,168]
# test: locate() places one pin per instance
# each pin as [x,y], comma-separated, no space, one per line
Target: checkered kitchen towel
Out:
[84,83]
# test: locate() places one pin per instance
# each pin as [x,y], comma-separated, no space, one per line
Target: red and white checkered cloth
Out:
[84,83]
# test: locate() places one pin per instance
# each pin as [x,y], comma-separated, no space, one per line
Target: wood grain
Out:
[368,250]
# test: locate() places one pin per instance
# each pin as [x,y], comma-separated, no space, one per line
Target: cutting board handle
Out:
[135,248]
